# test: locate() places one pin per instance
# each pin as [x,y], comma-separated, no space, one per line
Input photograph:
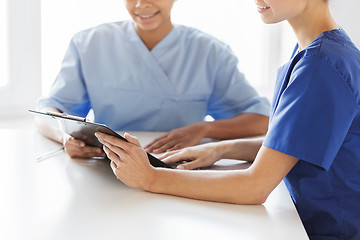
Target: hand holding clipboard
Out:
[81,129]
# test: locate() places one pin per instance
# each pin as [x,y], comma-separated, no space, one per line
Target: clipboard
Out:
[81,129]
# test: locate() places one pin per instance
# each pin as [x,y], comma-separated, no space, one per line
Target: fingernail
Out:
[180,167]
[97,134]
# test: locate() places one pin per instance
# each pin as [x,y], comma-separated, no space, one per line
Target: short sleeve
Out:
[313,113]
[232,94]
[68,92]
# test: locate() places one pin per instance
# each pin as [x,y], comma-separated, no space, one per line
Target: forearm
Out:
[242,125]
[219,186]
[241,149]
[250,186]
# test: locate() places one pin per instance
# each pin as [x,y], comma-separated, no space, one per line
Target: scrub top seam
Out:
[344,81]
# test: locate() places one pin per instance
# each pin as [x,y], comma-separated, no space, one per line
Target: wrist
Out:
[151,184]
[229,149]
[222,149]
[159,181]
[205,128]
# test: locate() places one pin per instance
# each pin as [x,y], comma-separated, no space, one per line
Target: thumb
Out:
[132,139]
[189,165]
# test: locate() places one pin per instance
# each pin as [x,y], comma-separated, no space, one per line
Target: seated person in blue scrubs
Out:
[312,142]
[149,74]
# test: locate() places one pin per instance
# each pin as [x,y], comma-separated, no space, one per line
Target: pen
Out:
[49,154]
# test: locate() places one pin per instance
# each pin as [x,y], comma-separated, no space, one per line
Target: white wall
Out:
[346,14]
[244,32]
[24,39]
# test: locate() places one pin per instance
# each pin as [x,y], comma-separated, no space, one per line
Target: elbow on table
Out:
[256,199]
[251,198]
[259,200]
[254,194]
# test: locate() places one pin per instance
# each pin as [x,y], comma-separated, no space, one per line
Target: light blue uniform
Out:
[315,117]
[185,77]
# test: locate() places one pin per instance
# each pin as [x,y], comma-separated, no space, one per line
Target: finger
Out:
[76,151]
[156,145]
[111,141]
[113,167]
[155,140]
[167,154]
[165,147]
[112,156]
[117,150]
[190,165]
[177,157]
[91,150]
[79,154]
[83,149]
[159,143]
[76,142]
[132,139]
[176,147]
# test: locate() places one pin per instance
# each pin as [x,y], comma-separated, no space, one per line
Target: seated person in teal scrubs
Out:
[149,74]
[312,142]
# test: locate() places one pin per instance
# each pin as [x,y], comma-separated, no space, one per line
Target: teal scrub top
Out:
[315,117]
[186,76]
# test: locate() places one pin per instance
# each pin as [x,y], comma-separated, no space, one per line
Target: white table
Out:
[64,198]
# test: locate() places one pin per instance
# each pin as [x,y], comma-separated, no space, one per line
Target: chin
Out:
[270,21]
[147,27]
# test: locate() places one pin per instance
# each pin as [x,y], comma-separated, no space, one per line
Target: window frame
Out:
[24,62]
[3,43]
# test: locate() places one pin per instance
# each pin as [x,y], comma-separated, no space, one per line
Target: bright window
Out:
[60,19]
[20,67]
[3,43]
[235,22]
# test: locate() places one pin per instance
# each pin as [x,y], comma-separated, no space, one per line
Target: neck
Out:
[153,37]
[315,20]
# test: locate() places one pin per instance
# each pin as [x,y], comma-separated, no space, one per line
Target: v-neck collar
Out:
[163,44]
[150,59]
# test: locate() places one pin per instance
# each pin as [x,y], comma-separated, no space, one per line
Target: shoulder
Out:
[195,37]
[102,32]
[336,49]
[332,56]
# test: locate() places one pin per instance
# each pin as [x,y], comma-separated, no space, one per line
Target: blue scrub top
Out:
[315,117]
[185,77]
